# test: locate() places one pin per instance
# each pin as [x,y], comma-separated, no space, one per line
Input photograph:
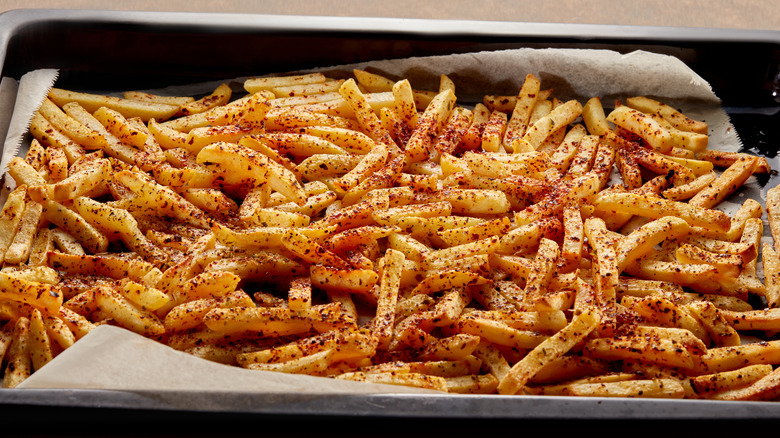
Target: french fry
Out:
[583,158]
[644,126]
[359,281]
[655,208]
[665,313]
[540,276]
[403,379]
[311,251]
[315,364]
[521,113]
[689,190]
[74,129]
[453,130]
[149,97]
[404,103]
[709,384]
[559,117]
[494,131]
[42,244]
[24,174]
[526,237]
[660,164]
[119,224]
[711,317]
[573,238]
[18,250]
[39,343]
[456,348]
[162,198]
[128,108]
[77,323]
[731,358]
[55,141]
[662,351]
[428,125]
[643,239]
[727,263]
[725,184]
[89,182]
[389,283]
[43,296]
[127,314]
[253,85]
[542,108]
[549,350]
[278,321]
[349,140]
[656,388]
[594,117]
[771,265]
[676,118]
[383,178]
[105,265]
[307,89]
[258,266]
[446,280]
[190,315]
[58,331]
[19,364]
[11,217]
[371,162]
[473,384]
[499,333]
[365,114]
[220,96]
[552,203]
[564,153]
[766,388]
[485,246]
[724,159]
[607,267]
[118,125]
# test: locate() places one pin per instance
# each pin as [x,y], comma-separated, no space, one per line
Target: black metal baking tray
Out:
[100,50]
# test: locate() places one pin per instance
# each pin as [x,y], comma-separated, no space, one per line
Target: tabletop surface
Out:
[730,14]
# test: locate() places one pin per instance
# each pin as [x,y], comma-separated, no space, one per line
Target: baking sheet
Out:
[428,405]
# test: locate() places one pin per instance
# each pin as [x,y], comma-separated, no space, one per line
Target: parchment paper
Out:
[112,358]
[21,100]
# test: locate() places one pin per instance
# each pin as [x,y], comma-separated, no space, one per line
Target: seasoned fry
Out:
[557,119]
[644,126]
[521,113]
[655,208]
[128,108]
[547,351]
[726,183]
[676,118]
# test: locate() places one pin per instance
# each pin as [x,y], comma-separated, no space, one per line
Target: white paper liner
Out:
[114,358]
[25,97]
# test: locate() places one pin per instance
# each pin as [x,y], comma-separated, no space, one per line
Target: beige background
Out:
[749,14]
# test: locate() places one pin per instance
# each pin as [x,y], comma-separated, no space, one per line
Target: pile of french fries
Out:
[362,229]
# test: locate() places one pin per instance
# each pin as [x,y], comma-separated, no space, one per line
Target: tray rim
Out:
[388,406]
[13,20]
[391,405]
